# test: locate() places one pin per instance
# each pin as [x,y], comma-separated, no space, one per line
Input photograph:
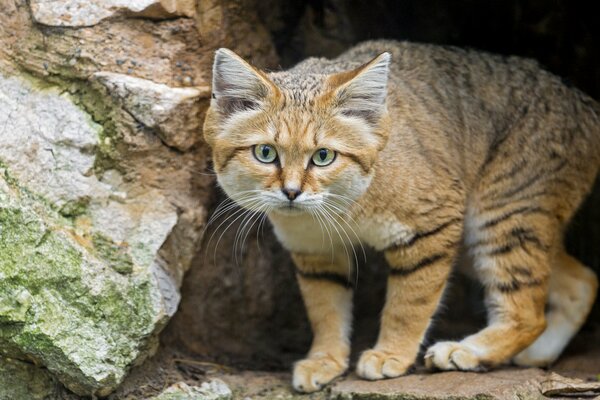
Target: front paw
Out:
[452,356]
[311,374]
[378,364]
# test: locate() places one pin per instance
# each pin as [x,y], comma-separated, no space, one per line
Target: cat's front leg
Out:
[324,284]
[419,270]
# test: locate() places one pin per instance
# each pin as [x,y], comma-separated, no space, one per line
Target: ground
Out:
[581,360]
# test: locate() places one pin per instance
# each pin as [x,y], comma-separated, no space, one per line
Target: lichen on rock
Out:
[81,288]
[62,306]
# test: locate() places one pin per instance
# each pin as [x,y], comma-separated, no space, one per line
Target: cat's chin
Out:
[290,211]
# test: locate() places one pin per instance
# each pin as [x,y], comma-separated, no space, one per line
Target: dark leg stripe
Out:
[522,271]
[328,276]
[425,262]
[533,180]
[520,210]
[519,238]
[516,285]
[421,235]
[529,196]
[511,173]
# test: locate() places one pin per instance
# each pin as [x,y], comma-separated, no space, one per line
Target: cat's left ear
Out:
[362,91]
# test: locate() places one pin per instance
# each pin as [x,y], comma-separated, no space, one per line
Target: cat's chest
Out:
[307,234]
[311,234]
[383,231]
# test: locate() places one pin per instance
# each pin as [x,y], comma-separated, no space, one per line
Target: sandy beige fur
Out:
[437,149]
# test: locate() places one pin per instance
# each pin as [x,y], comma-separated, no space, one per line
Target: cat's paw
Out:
[311,374]
[378,364]
[452,356]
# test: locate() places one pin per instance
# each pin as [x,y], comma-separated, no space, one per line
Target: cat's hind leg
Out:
[512,248]
[572,292]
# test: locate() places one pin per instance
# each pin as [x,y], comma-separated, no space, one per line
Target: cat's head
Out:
[288,143]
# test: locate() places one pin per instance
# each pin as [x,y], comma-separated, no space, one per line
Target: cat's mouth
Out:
[291,208]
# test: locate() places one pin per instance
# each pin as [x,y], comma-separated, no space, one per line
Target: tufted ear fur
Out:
[237,86]
[362,92]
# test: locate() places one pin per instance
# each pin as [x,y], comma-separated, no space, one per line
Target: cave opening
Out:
[246,312]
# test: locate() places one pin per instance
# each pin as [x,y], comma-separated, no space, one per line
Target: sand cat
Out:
[417,151]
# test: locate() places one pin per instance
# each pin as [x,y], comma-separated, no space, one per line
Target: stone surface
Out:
[499,384]
[82,289]
[215,389]
[78,13]
[105,181]
[175,113]
[62,302]
[41,385]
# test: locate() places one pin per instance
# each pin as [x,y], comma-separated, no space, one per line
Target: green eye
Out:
[323,157]
[265,153]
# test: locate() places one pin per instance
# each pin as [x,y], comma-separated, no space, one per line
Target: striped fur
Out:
[436,149]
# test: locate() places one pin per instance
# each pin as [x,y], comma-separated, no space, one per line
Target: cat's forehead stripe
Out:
[299,89]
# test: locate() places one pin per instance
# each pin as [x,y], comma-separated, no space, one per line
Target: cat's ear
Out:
[362,91]
[237,85]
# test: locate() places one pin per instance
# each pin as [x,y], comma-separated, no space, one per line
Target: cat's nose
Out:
[291,194]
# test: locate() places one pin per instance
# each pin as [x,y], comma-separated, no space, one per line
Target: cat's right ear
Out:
[237,85]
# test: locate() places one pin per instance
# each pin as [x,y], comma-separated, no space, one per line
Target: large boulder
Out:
[104,182]
[82,288]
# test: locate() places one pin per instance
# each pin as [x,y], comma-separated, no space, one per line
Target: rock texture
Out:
[104,185]
[77,13]
[81,289]
[173,112]
[40,384]
[500,385]
[215,389]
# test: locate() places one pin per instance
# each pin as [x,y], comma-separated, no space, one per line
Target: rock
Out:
[103,202]
[558,385]
[505,384]
[77,13]
[215,389]
[82,288]
[41,385]
[173,112]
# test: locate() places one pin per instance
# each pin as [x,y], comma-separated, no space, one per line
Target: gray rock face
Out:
[76,13]
[173,112]
[82,290]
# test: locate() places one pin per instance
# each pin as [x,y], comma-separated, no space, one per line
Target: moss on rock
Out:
[64,306]
[40,384]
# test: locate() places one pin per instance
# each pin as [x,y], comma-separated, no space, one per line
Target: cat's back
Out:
[449,75]
[471,99]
